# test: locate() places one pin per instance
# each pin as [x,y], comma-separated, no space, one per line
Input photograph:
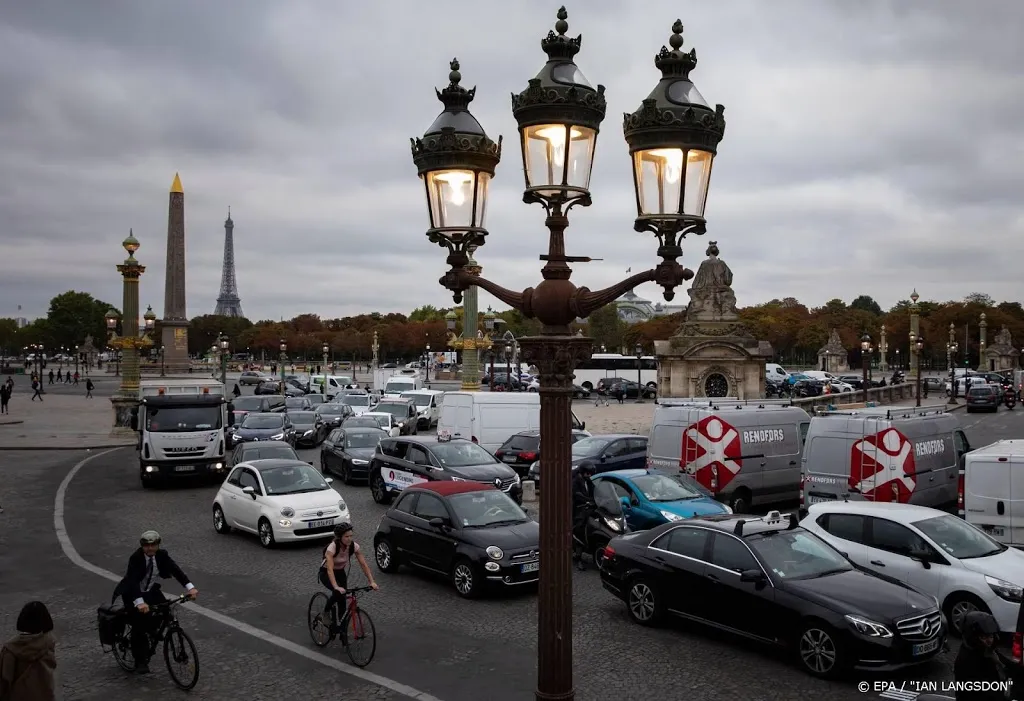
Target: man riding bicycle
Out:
[139,590]
[337,557]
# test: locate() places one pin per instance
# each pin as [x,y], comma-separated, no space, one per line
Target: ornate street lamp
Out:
[149,318]
[639,351]
[427,362]
[490,322]
[222,349]
[673,138]
[951,348]
[132,339]
[865,356]
[326,349]
[283,347]
[918,347]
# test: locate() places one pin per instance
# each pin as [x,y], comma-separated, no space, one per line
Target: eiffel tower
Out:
[228,303]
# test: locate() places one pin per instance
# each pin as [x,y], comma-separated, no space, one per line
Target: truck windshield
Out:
[170,419]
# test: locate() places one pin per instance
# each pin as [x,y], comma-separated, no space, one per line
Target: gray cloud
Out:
[871,146]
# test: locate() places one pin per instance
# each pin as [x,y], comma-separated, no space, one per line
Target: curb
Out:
[11,423]
[99,446]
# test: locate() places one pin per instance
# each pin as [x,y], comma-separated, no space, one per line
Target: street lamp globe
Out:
[326,349]
[913,338]
[865,343]
[283,346]
[131,244]
[920,344]
[428,347]
[223,340]
[489,318]
[673,138]
[111,318]
[450,320]
[639,350]
[456,161]
[150,318]
[559,115]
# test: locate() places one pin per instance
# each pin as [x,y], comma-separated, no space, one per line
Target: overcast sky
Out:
[871,147]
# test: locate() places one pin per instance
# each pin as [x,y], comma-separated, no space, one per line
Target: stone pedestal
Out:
[712,354]
[1001,355]
[832,357]
[124,411]
[175,342]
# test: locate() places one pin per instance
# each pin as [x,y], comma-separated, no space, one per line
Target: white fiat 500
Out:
[279,500]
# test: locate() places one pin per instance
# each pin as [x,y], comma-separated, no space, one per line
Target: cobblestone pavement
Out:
[233,665]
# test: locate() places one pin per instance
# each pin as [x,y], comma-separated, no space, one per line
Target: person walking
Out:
[89,387]
[5,398]
[236,391]
[67,377]
[38,390]
[76,379]
[28,660]
[51,377]
[60,376]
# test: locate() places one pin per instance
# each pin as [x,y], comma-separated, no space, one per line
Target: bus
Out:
[603,365]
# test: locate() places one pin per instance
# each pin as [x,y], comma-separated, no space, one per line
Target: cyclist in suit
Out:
[139,590]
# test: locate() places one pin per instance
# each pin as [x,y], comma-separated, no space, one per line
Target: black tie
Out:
[149,574]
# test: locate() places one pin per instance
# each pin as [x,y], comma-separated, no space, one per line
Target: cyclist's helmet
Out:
[586,468]
[149,538]
[341,529]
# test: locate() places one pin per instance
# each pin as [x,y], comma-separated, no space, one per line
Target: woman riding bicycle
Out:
[337,557]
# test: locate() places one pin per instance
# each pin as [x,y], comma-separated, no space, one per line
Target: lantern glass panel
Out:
[450,194]
[698,174]
[547,147]
[661,179]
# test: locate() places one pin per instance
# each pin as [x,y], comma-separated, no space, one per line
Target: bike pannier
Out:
[111,622]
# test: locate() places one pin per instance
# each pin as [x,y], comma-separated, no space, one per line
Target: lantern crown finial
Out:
[674,63]
[559,46]
[914,296]
[455,97]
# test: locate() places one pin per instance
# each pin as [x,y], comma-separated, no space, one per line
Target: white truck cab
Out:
[181,425]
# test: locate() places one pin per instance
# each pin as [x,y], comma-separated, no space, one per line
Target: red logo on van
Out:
[882,467]
[711,452]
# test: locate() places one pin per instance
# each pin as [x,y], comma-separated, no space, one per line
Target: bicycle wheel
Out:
[318,619]
[122,650]
[182,658]
[360,638]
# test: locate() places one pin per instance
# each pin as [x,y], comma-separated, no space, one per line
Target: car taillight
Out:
[1018,645]
[960,496]
[802,480]
[531,456]
[609,554]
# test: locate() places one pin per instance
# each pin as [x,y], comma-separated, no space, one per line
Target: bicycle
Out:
[178,646]
[355,628]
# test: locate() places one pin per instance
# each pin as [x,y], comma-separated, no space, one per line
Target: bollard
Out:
[529,491]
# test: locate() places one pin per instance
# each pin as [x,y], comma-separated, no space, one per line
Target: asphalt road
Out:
[428,638]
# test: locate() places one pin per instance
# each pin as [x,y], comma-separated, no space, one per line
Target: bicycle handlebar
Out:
[356,590]
[180,599]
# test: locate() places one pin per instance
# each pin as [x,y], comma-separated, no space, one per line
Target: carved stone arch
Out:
[741,353]
[709,373]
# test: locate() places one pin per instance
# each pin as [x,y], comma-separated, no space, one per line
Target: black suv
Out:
[404,412]
[408,460]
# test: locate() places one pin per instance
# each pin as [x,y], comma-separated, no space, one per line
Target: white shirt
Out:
[146,586]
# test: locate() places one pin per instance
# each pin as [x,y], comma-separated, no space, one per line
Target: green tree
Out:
[73,316]
[203,332]
[8,336]
[607,328]
[979,298]
[427,312]
[866,303]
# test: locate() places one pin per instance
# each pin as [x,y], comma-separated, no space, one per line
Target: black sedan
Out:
[243,406]
[298,403]
[309,428]
[275,388]
[774,582]
[347,452]
[630,390]
[609,452]
[361,421]
[263,450]
[470,533]
[264,427]
[333,414]
[984,398]
[523,449]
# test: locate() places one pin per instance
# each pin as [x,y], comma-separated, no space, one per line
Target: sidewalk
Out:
[59,422]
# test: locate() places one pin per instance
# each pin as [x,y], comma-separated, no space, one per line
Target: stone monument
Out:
[712,354]
[175,321]
[832,357]
[1002,355]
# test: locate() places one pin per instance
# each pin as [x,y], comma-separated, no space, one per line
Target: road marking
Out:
[72,554]
[899,695]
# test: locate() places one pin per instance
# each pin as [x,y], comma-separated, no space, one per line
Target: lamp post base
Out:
[124,415]
[469,386]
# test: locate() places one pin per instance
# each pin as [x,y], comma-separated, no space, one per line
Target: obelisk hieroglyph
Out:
[175,320]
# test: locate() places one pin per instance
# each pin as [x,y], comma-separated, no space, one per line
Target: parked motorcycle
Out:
[1010,398]
[605,520]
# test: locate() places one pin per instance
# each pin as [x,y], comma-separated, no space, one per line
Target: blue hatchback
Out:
[650,499]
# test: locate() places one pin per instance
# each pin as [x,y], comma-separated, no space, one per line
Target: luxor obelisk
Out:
[175,319]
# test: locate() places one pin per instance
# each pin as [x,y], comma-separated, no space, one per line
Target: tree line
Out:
[795,330]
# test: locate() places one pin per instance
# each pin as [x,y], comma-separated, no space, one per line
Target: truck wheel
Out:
[740,502]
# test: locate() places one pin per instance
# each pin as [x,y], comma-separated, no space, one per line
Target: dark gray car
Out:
[309,428]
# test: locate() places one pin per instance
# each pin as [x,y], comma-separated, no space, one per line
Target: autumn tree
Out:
[71,317]
[607,328]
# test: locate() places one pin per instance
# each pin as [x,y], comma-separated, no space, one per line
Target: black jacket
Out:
[131,584]
[582,495]
[973,665]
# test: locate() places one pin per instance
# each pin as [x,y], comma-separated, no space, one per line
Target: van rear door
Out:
[1016,505]
[988,496]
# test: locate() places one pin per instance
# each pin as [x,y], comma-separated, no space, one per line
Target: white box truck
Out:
[181,425]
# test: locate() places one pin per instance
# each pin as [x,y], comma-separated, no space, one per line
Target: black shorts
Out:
[340,576]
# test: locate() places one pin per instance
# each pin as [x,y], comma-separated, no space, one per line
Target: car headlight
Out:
[728,509]
[671,516]
[287,512]
[277,437]
[1005,590]
[614,525]
[494,552]
[869,628]
[342,505]
[519,479]
[285,523]
[308,433]
[357,461]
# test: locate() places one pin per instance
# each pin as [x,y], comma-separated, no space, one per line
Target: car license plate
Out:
[820,500]
[530,567]
[321,523]
[925,648]
[509,458]
[184,468]
[993,531]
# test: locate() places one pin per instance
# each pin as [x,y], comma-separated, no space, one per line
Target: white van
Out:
[775,373]
[745,452]
[396,385]
[489,418]
[335,383]
[991,496]
[428,406]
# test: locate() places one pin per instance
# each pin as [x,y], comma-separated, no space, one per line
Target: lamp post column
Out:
[283,348]
[915,331]
[222,347]
[951,349]
[126,401]
[470,347]
[327,351]
[883,353]
[639,378]
[865,360]
[981,346]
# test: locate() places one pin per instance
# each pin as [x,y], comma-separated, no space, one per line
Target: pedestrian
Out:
[76,378]
[236,391]
[5,398]
[10,382]
[89,387]
[67,377]
[51,376]
[38,390]
[28,660]
[60,377]
[620,393]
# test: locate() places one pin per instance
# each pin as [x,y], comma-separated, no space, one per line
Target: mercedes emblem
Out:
[319,513]
[926,627]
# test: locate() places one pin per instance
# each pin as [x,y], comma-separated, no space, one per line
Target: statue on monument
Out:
[1003,338]
[711,295]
